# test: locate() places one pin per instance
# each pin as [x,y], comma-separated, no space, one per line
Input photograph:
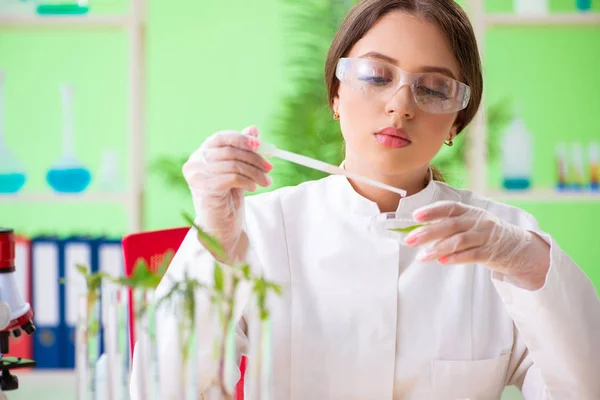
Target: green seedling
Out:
[142,276]
[93,282]
[226,279]
[406,229]
[209,242]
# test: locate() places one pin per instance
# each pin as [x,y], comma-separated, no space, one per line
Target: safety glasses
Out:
[433,92]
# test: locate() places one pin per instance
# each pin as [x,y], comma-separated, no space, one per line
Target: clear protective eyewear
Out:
[433,92]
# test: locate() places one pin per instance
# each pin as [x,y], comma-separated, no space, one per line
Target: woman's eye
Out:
[376,80]
[425,91]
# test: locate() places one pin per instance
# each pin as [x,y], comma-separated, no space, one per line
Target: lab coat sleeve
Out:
[199,264]
[560,326]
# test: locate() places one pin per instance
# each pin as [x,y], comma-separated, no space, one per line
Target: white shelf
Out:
[80,21]
[581,18]
[134,24]
[91,197]
[476,149]
[543,196]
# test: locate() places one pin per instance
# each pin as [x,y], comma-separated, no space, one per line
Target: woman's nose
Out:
[402,102]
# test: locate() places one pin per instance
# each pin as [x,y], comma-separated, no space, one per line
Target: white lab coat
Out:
[361,318]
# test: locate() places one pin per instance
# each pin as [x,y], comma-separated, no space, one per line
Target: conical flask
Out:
[12,172]
[68,174]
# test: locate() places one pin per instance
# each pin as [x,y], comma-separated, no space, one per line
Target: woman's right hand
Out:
[217,174]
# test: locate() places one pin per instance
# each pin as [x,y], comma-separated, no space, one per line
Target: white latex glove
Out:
[456,233]
[217,174]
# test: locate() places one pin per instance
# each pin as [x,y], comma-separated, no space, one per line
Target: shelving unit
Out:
[81,21]
[543,196]
[561,19]
[134,24]
[477,143]
[91,198]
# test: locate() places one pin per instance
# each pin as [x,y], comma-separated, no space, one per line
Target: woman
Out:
[475,300]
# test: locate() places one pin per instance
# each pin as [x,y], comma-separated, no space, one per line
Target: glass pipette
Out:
[269,150]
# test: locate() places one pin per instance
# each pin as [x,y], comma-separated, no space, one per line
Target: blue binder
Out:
[76,250]
[47,296]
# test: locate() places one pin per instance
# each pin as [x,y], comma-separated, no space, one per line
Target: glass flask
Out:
[12,172]
[68,175]
[109,176]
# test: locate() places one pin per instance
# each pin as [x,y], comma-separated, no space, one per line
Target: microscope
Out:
[16,315]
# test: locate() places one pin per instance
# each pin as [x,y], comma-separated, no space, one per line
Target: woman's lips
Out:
[392,137]
[391,141]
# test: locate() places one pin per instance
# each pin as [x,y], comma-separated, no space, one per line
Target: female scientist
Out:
[476,299]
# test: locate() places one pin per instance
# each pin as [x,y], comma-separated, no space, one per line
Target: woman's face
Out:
[414,45]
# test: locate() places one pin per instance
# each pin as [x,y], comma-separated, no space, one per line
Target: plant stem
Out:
[226,322]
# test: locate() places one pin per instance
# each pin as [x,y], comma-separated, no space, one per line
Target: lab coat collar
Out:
[354,202]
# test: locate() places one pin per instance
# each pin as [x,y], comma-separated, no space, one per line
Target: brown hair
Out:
[448,16]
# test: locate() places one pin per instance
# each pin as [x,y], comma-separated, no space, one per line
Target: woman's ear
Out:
[336,108]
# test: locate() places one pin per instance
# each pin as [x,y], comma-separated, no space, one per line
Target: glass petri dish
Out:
[396,225]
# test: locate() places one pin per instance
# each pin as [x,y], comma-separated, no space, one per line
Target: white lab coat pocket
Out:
[473,380]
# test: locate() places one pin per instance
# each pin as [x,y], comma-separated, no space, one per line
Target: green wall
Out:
[209,67]
[555,73]
[220,65]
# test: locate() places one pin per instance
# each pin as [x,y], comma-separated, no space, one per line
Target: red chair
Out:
[151,246]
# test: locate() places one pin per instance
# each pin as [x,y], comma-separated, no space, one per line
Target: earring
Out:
[336,116]
[449,143]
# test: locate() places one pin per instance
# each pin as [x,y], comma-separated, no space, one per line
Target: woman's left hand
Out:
[461,234]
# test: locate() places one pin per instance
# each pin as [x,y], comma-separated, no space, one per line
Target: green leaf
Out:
[142,276]
[246,271]
[264,315]
[170,294]
[211,243]
[276,288]
[140,270]
[122,281]
[82,269]
[94,281]
[218,278]
[170,170]
[259,285]
[189,299]
[406,229]
[164,265]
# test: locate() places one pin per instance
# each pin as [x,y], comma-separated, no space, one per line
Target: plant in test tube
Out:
[227,278]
